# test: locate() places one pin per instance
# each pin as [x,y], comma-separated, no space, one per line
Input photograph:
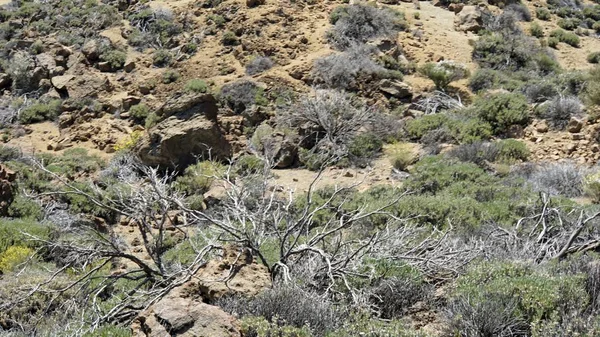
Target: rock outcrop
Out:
[176,315]
[7,177]
[189,131]
[469,19]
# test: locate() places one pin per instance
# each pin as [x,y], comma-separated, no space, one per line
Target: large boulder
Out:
[469,19]
[79,86]
[396,89]
[190,131]
[7,178]
[177,315]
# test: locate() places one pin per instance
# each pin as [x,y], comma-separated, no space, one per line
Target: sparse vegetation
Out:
[444,72]
[258,65]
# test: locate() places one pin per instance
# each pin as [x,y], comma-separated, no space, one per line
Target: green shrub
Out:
[229,39]
[40,111]
[464,129]
[12,233]
[594,57]
[511,151]
[151,120]
[536,30]
[568,24]
[553,42]
[170,76]
[139,112]
[402,155]
[196,85]
[337,13]
[531,295]
[248,165]
[596,27]
[542,13]
[115,58]
[364,147]
[368,327]
[198,178]
[162,58]
[503,110]
[443,73]
[567,37]
[23,207]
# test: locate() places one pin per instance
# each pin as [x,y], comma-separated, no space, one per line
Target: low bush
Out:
[591,186]
[13,233]
[540,91]
[508,53]
[511,151]
[568,24]
[139,112]
[258,65]
[542,13]
[241,95]
[364,147]
[507,298]
[553,42]
[402,155]
[443,73]
[115,58]
[196,85]
[198,178]
[170,76]
[289,305]
[344,70]
[229,39]
[478,153]
[559,111]
[519,10]
[503,110]
[23,207]
[359,23]
[253,326]
[536,30]
[162,58]
[593,57]
[566,179]
[448,128]
[40,111]
[567,37]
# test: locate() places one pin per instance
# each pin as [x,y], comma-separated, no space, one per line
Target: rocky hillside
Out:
[299,168]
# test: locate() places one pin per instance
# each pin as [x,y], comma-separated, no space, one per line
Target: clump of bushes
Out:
[294,306]
[594,57]
[115,58]
[139,112]
[503,110]
[241,95]
[343,71]
[40,111]
[542,13]
[258,65]
[402,155]
[443,127]
[444,72]
[162,58]
[230,39]
[567,37]
[170,76]
[511,151]
[196,85]
[559,111]
[359,23]
[504,298]
[198,178]
[565,179]
[536,30]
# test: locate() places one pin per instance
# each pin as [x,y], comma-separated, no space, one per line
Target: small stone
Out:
[575,125]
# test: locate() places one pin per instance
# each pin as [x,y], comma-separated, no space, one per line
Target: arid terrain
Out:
[299,168]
